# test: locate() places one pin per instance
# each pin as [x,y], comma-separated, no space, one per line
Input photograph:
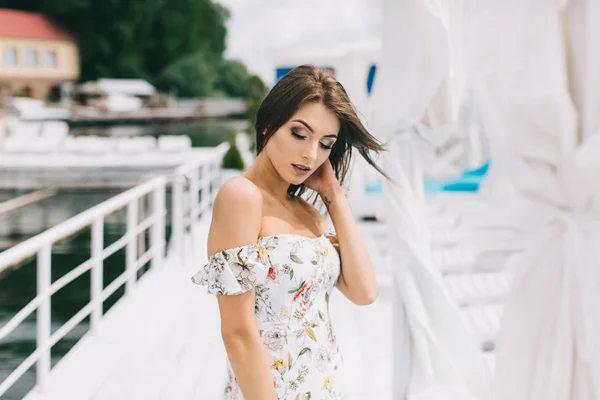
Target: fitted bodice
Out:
[293,277]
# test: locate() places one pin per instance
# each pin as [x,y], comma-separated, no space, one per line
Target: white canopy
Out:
[539,101]
[445,362]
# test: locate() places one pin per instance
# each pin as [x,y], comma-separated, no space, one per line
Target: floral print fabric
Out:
[293,277]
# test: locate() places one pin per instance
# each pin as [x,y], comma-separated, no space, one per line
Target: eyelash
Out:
[300,137]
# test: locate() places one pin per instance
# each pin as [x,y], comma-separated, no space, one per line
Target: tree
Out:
[231,78]
[173,44]
[191,76]
[135,38]
[256,92]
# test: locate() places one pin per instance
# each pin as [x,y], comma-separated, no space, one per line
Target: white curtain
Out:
[582,32]
[414,62]
[452,13]
[535,69]
[445,362]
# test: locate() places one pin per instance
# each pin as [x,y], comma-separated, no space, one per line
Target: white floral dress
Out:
[294,277]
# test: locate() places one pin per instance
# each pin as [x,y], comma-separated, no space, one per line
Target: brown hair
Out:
[306,84]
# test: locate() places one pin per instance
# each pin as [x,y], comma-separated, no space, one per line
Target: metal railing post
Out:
[194,206]
[96,273]
[177,228]
[44,268]
[205,185]
[131,251]
[218,178]
[157,233]
[42,244]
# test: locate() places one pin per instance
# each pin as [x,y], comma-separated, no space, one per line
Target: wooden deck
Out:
[164,342]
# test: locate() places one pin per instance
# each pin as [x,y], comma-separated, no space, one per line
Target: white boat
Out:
[27,109]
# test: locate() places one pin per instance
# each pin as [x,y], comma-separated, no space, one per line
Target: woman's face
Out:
[301,145]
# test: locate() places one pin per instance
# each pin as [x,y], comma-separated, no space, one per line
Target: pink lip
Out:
[299,171]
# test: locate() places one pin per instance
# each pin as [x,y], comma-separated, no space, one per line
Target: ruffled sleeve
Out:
[234,271]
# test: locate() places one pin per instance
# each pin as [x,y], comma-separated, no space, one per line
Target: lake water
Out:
[18,286]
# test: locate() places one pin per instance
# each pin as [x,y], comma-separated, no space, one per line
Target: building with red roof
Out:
[38,58]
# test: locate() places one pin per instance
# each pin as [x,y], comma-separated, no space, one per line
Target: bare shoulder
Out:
[238,190]
[237,215]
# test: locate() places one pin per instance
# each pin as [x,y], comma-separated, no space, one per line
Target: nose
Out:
[310,152]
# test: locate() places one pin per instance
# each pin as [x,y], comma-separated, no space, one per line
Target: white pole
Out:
[217,180]
[177,228]
[44,268]
[194,205]
[97,267]
[205,185]
[400,345]
[157,233]
[131,252]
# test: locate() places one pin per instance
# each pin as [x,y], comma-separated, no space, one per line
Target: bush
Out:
[191,76]
[233,158]
[256,92]
[231,78]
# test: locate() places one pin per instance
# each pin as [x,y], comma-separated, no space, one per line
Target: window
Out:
[10,56]
[31,58]
[51,61]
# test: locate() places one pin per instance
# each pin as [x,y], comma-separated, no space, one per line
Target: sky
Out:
[262,31]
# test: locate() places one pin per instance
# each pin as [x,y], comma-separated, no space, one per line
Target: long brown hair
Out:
[305,84]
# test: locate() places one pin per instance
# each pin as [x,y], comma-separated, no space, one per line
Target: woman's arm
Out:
[236,222]
[357,280]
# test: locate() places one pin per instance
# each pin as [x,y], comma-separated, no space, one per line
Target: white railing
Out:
[194,189]
[41,245]
[194,186]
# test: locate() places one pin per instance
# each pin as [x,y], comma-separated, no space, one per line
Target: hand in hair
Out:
[323,180]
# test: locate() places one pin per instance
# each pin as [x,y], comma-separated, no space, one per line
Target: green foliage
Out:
[232,159]
[136,38]
[231,78]
[256,92]
[199,75]
[176,45]
[190,76]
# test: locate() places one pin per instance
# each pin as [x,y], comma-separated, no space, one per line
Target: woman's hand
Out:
[324,181]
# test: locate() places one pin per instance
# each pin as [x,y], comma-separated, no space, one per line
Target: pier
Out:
[162,338]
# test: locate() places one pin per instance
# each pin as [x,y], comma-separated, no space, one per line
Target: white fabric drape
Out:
[414,61]
[582,31]
[445,362]
[539,116]
[452,13]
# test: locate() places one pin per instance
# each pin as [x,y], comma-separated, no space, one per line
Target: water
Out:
[18,286]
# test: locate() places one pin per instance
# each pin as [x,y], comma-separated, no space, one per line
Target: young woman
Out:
[274,263]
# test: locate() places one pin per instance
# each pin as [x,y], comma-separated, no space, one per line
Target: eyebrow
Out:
[311,129]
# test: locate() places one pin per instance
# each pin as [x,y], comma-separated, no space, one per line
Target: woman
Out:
[273,266]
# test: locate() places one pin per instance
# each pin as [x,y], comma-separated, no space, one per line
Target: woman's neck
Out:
[263,174]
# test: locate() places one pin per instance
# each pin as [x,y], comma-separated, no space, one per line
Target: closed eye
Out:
[301,137]
[297,135]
